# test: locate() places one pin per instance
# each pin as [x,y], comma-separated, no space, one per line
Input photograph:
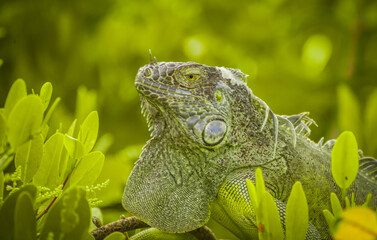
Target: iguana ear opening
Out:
[169,192]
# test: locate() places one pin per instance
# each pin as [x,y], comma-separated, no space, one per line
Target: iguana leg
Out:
[233,210]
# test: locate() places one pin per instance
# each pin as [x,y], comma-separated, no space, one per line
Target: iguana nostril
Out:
[214,132]
[147,72]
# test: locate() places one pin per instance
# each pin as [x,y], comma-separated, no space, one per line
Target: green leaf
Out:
[330,219]
[74,147]
[1,185]
[45,94]
[88,170]
[253,196]
[259,182]
[115,236]
[335,206]
[85,103]
[370,124]
[68,218]
[28,156]
[89,131]
[270,219]
[50,111]
[49,172]
[297,216]
[345,160]
[3,130]
[7,211]
[349,110]
[16,93]
[25,120]
[24,218]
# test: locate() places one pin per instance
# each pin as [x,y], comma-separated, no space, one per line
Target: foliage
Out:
[53,172]
[267,214]
[348,220]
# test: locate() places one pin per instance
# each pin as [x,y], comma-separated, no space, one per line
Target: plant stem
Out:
[53,200]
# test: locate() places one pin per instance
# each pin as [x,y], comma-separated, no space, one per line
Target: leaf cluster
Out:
[54,172]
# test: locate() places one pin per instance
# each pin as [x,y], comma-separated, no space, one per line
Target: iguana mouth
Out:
[151,89]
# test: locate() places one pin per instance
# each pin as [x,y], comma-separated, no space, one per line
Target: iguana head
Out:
[191,108]
[189,96]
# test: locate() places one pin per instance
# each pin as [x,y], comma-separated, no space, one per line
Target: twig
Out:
[53,200]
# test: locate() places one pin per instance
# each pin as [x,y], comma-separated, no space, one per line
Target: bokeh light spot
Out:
[194,47]
[316,53]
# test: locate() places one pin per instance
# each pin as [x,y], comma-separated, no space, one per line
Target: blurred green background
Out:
[313,55]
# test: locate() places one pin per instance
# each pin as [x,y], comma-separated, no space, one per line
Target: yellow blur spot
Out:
[357,224]
[194,47]
[316,53]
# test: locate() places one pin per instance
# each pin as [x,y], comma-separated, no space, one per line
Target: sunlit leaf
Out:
[345,160]
[88,169]
[48,172]
[259,182]
[297,215]
[86,102]
[24,218]
[25,120]
[253,196]
[371,124]
[330,220]
[335,206]
[89,131]
[69,217]
[270,219]
[357,223]
[3,129]
[16,93]
[348,111]
[7,211]
[50,111]
[45,94]
[74,147]
[1,185]
[28,157]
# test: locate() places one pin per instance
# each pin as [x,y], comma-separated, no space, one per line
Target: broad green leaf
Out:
[368,201]
[48,172]
[297,215]
[330,219]
[115,236]
[45,94]
[85,103]
[96,212]
[253,196]
[16,93]
[24,218]
[370,124]
[25,120]
[50,111]
[7,216]
[357,223]
[88,169]
[69,217]
[28,156]
[259,182]
[89,131]
[335,205]
[1,184]
[349,111]
[74,147]
[270,219]
[345,160]
[3,129]
[71,129]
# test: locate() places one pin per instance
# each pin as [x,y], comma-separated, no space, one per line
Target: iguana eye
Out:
[192,77]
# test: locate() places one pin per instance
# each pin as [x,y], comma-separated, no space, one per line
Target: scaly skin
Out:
[209,134]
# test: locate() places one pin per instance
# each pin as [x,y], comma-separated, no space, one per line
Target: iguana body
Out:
[209,134]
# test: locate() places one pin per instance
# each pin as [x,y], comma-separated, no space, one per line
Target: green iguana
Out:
[209,134]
